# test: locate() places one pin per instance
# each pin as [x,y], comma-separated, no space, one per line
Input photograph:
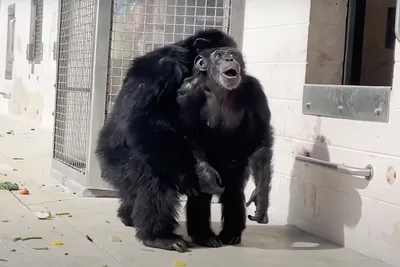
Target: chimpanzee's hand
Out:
[188,186]
[189,190]
[209,179]
[261,214]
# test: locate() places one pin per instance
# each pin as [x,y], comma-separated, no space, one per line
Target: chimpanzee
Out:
[225,112]
[143,153]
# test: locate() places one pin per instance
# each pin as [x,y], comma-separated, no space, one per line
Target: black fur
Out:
[233,129]
[140,149]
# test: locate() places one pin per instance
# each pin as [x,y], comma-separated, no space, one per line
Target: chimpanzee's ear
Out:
[201,43]
[200,63]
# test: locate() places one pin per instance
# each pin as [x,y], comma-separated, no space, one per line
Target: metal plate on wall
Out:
[364,103]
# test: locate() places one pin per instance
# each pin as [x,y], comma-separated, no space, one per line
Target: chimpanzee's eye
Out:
[218,54]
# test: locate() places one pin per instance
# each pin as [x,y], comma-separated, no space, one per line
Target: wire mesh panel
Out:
[37,53]
[74,80]
[139,26]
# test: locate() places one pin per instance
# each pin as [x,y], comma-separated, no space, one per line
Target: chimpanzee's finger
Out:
[251,200]
[252,218]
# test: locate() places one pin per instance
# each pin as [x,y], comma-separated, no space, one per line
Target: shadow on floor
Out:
[274,237]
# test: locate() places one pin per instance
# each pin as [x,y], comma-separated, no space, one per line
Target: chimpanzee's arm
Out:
[261,160]
[191,99]
[261,165]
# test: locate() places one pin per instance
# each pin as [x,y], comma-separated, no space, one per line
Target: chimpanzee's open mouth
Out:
[230,73]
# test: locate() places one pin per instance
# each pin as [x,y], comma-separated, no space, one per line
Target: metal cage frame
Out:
[89,182]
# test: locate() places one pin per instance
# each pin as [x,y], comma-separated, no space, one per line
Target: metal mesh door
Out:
[139,26]
[38,45]
[74,80]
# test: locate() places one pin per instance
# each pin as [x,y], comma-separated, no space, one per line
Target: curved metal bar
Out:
[367,172]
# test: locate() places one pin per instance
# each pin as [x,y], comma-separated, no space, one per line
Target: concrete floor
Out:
[272,245]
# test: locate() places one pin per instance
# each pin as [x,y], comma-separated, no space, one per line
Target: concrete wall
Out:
[286,44]
[29,95]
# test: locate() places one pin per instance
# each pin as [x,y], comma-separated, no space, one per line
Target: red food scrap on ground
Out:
[24,192]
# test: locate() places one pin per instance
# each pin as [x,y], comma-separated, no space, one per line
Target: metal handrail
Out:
[367,172]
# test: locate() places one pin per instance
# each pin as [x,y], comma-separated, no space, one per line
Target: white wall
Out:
[281,45]
[32,95]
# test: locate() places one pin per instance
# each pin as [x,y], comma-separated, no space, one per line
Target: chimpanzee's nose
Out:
[228,59]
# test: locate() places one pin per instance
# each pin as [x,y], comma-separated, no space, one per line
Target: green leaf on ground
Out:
[9,186]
